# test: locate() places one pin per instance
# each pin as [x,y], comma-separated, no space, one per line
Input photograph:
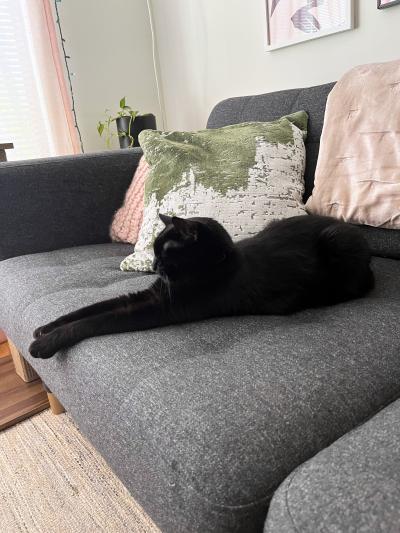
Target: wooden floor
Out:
[4,349]
[18,400]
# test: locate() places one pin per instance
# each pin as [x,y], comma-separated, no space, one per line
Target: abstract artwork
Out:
[294,21]
[387,3]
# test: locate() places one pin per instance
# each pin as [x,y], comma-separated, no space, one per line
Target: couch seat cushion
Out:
[203,421]
[37,288]
[353,485]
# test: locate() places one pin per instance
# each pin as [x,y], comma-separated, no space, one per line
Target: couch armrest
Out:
[46,204]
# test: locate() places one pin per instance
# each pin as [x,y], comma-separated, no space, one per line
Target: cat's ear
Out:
[165,218]
[187,228]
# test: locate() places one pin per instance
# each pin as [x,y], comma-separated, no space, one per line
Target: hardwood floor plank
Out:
[18,400]
[4,349]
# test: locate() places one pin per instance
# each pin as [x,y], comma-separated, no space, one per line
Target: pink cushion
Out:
[358,172]
[128,219]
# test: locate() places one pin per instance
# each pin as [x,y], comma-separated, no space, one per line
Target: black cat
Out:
[300,262]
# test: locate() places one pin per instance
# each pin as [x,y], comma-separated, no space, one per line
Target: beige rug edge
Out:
[52,480]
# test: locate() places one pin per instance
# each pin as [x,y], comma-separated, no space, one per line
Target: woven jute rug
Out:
[53,481]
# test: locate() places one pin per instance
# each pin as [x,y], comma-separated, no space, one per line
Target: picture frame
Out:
[383,4]
[297,22]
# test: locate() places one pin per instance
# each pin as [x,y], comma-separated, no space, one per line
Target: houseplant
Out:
[128,124]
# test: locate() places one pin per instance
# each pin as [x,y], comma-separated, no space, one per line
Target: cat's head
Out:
[190,248]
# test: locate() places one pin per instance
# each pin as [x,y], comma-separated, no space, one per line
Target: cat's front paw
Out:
[43,348]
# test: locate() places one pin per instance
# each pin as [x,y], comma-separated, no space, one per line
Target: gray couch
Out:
[203,422]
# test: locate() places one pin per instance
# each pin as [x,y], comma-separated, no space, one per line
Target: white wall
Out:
[109,42]
[213,49]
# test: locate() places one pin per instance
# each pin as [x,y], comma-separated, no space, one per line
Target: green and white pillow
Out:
[244,176]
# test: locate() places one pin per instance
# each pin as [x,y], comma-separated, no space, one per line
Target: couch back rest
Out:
[265,107]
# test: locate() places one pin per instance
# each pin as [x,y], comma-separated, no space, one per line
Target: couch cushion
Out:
[354,485]
[270,106]
[357,178]
[203,421]
[245,176]
[37,288]
[128,218]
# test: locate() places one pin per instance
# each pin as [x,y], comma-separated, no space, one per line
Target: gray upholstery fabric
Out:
[383,242]
[264,107]
[354,485]
[53,203]
[203,421]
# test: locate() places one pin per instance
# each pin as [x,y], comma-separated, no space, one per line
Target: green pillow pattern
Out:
[244,176]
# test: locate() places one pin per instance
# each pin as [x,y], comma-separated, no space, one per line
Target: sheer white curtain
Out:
[35,107]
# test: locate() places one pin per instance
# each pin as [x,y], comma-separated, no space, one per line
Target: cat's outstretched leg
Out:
[95,309]
[124,319]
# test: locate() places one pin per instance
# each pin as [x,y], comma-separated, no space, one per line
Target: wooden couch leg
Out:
[28,374]
[22,367]
[56,407]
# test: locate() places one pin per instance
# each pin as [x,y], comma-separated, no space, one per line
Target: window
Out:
[33,114]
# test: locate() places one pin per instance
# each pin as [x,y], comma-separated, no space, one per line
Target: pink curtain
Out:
[65,95]
[51,83]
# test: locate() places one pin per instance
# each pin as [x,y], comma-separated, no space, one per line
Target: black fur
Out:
[292,264]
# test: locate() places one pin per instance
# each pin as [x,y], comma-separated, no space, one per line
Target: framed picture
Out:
[295,21]
[387,3]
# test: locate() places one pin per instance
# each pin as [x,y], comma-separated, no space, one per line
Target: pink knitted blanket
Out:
[128,219]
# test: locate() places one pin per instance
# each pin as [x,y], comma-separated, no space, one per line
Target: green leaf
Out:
[100,128]
[122,102]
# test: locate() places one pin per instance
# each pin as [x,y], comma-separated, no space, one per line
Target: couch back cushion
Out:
[266,107]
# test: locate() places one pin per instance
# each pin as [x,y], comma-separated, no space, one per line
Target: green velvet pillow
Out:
[244,176]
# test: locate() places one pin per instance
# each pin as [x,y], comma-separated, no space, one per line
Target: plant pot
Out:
[141,122]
